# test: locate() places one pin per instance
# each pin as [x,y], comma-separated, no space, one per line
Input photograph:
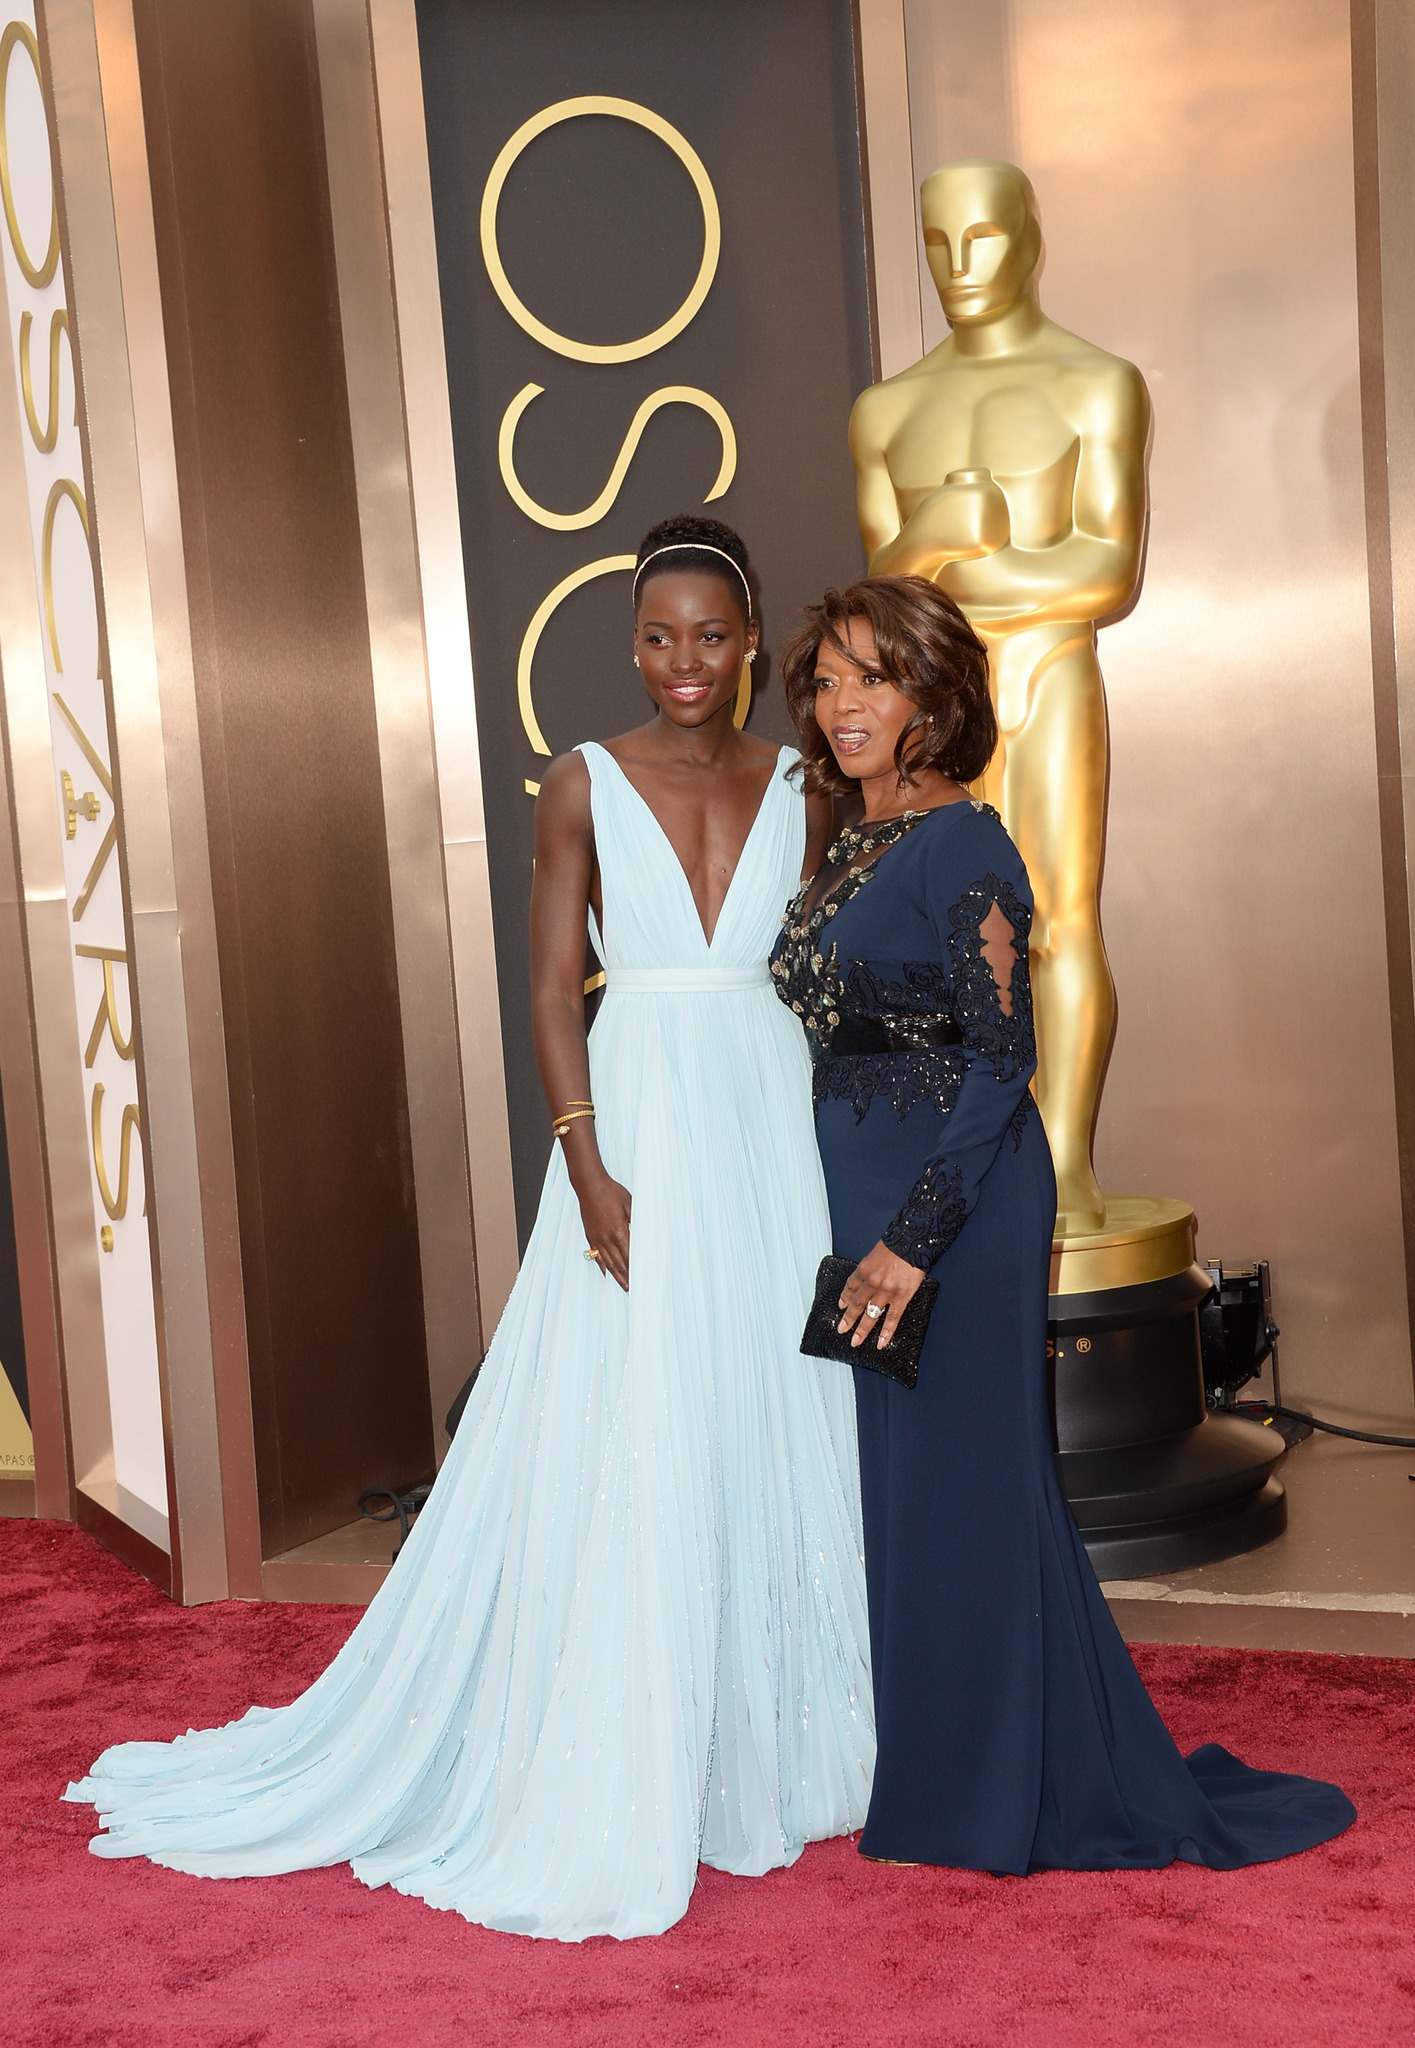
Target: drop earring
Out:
[636,661]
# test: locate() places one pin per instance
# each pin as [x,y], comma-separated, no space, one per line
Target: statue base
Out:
[1156,1482]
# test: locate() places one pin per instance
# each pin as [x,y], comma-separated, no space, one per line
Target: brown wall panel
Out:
[290,757]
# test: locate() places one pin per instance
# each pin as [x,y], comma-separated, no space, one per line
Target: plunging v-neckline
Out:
[677,857]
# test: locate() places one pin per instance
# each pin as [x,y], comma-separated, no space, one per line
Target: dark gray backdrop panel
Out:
[601,234]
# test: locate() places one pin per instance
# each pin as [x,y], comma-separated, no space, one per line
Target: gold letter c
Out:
[606,566]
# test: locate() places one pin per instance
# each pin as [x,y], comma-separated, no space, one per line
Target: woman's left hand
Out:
[884,1281]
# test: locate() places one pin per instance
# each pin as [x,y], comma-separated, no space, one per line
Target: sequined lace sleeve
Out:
[992,1001]
[931,1218]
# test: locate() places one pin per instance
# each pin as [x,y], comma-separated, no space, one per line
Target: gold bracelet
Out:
[563,1123]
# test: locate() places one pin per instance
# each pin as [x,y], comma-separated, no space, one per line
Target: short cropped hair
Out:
[927,650]
[690,541]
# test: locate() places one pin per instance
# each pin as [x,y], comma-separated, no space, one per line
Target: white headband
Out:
[679,547]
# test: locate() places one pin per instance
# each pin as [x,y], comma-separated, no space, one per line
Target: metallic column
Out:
[129,491]
[1383,123]
[381,205]
[892,222]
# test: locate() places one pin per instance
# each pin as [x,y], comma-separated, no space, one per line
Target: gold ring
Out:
[593,1255]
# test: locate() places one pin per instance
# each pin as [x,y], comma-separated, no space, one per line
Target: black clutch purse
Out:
[823,1340]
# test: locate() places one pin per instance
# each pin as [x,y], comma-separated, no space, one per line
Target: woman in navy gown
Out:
[1014,1731]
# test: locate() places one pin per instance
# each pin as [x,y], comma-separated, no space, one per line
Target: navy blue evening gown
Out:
[1014,1731]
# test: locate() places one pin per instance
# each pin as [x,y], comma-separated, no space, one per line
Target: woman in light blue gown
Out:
[628,1630]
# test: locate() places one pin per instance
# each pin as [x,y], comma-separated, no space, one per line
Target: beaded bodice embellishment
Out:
[806,969]
[811,978]
[913,1031]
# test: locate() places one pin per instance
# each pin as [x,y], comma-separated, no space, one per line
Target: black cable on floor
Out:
[1360,1436]
[404,1509]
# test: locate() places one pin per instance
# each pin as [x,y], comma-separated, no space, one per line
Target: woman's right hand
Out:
[604,1211]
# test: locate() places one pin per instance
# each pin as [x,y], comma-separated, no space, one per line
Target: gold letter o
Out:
[36,274]
[623,110]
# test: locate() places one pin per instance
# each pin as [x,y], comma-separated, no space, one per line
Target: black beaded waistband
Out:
[891,1035]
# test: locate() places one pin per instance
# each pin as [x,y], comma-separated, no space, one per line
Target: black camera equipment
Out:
[1237,1337]
[454,1413]
[1237,1334]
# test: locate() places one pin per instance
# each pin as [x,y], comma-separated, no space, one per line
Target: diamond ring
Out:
[873,1309]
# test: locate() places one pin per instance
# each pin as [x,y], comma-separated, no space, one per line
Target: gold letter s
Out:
[116,1205]
[568,522]
[43,437]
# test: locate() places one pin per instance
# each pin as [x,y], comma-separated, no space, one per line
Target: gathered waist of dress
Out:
[854,1035]
[684,981]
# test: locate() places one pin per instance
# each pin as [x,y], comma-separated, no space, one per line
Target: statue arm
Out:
[876,506]
[1092,571]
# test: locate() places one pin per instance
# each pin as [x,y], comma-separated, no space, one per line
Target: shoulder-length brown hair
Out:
[927,650]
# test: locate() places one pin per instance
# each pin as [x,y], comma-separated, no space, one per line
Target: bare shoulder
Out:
[564,797]
[820,830]
[633,746]
[759,752]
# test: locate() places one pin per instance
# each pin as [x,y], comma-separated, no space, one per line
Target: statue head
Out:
[982,237]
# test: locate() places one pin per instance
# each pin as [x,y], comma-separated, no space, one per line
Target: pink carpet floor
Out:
[835,1953]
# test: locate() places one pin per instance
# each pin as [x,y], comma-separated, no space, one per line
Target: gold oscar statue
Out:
[1009,467]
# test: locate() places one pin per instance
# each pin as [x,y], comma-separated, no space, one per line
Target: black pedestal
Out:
[1156,1483]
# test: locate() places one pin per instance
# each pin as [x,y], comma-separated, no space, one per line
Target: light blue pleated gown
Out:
[628,1630]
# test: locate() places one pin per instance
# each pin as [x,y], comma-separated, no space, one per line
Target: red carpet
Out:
[836,1951]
